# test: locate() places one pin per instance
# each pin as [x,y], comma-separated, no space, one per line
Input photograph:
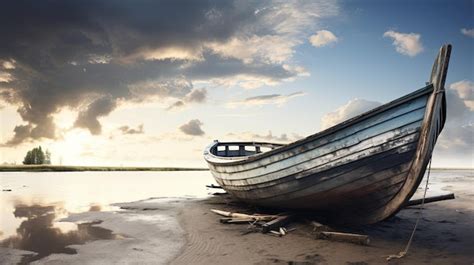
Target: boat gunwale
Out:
[233,161]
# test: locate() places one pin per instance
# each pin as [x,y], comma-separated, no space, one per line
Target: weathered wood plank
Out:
[337,195]
[449,196]
[276,223]
[327,163]
[344,237]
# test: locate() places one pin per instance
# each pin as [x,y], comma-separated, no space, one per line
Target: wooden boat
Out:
[360,171]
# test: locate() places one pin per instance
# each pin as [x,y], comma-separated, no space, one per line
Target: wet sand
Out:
[184,231]
[445,235]
[144,232]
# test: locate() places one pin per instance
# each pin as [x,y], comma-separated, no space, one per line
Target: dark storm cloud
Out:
[99,108]
[21,133]
[229,67]
[68,30]
[193,127]
[57,54]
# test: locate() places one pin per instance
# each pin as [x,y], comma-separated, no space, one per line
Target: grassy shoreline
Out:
[51,168]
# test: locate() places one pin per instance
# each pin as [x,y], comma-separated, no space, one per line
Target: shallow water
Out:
[446,181]
[30,212]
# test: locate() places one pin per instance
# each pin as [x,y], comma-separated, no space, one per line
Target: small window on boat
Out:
[221,148]
[265,149]
[234,148]
[250,148]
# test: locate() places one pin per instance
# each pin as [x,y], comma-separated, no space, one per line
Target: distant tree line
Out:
[36,156]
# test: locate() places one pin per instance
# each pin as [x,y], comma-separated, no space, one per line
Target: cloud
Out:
[273,99]
[193,127]
[69,54]
[5,77]
[198,95]
[144,90]
[457,138]
[176,105]
[457,141]
[128,130]
[286,25]
[230,72]
[88,118]
[351,109]
[7,64]
[322,38]
[405,43]
[465,91]
[468,32]
[142,51]
[249,136]
[22,132]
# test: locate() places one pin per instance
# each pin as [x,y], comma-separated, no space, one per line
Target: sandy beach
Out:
[184,231]
[444,236]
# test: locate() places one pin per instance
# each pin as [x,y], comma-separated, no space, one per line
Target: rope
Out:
[403,253]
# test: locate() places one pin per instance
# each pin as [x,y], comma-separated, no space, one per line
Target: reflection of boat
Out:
[360,171]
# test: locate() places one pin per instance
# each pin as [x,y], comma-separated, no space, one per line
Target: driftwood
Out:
[323,232]
[318,227]
[246,217]
[276,223]
[219,193]
[271,232]
[272,224]
[344,237]
[236,220]
[281,232]
[449,196]
[212,186]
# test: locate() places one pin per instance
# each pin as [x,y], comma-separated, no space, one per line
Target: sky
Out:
[152,83]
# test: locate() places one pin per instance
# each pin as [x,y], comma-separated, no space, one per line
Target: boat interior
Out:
[239,149]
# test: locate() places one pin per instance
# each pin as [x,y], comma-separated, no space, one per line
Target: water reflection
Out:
[39,233]
[85,191]
[29,213]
